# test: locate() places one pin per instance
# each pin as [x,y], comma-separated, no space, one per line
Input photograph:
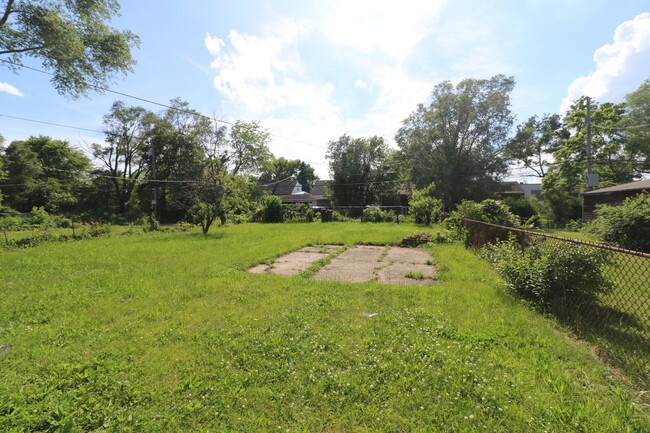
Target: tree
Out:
[3,173]
[124,154]
[535,141]
[44,172]
[177,137]
[612,160]
[456,140]
[72,39]
[306,176]
[247,151]
[208,195]
[281,168]
[637,127]
[359,170]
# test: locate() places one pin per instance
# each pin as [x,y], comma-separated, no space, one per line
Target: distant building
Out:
[518,189]
[290,192]
[614,195]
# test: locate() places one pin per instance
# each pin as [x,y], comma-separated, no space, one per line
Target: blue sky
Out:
[311,71]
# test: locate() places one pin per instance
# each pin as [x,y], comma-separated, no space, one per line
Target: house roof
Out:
[632,186]
[320,187]
[285,187]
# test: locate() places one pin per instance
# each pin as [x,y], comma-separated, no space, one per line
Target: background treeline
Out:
[194,167]
[457,146]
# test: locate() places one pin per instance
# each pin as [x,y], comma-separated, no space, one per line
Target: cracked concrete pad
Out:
[320,249]
[362,253]
[407,255]
[356,264]
[355,272]
[258,269]
[296,261]
[396,273]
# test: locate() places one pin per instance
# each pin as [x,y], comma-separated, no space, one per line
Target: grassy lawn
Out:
[163,332]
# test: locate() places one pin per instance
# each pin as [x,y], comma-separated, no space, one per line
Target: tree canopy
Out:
[456,140]
[281,168]
[359,169]
[535,141]
[72,39]
[44,172]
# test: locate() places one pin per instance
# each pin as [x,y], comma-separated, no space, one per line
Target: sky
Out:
[312,71]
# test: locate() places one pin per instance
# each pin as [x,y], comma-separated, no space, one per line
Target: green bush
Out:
[63,222]
[373,214]
[273,211]
[551,273]
[521,207]
[97,229]
[424,207]
[574,225]
[340,217]
[626,226]
[489,211]
[39,217]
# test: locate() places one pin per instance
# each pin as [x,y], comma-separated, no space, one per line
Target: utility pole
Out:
[154,201]
[589,165]
[592,179]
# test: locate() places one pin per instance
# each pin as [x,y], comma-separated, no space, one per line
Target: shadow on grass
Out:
[624,336]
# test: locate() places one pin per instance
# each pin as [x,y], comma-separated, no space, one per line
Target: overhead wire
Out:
[159,104]
[396,161]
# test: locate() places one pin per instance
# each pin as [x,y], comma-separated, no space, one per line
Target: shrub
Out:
[489,211]
[626,226]
[373,214]
[151,224]
[39,217]
[574,225]
[550,273]
[521,207]
[273,211]
[63,222]
[340,217]
[98,229]
[424,207]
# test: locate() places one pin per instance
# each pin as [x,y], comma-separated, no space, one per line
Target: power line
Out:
[621,128]
[49,123]
[159,104]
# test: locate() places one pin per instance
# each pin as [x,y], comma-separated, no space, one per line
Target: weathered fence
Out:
[618,322]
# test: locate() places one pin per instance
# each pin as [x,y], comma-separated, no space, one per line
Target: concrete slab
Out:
[396,273]
[296,261]
[362,253]
[407,255]
[259,269]
[360,263]
[340,270]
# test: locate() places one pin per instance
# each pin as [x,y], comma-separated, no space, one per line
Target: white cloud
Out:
[264,77]
[8,88]
[360,84]
[385,26]
[256,72]
[621,66]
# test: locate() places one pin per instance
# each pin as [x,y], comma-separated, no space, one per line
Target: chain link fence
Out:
[617,315]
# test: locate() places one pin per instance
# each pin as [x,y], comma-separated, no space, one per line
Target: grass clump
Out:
[415,275]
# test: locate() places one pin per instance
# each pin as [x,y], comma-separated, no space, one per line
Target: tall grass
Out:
[168,332]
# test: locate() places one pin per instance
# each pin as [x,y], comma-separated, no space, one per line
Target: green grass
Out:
[167,332]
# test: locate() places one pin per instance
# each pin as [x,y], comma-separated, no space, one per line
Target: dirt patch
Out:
[361,263]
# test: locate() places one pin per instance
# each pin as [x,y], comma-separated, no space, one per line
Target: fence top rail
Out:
[562,238]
